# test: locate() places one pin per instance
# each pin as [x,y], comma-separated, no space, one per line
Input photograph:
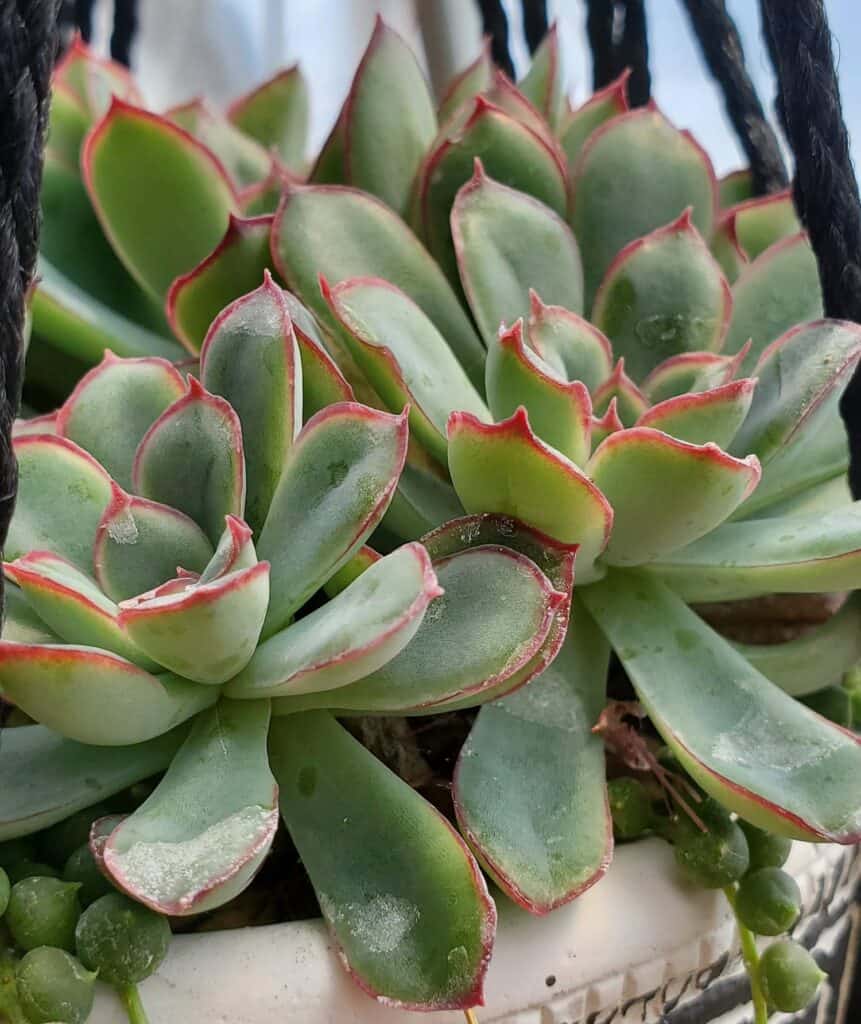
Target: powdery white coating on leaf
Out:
[549,705]
[380,925]
[749,745]
[175,873]
[122,529]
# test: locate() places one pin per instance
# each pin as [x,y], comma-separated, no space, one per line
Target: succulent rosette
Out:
[581,359]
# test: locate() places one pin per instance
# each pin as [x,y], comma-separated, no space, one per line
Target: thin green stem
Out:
[750,956]
[134,1007]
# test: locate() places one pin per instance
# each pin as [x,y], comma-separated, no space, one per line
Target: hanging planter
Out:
[392,498]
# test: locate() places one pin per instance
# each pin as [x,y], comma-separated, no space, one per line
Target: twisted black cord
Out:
[28,40]
[632,51]
[826,192]
[495,25]
[125,25]
[535,24]
[721,47]
[599,29]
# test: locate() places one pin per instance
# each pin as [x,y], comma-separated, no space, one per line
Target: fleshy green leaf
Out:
[662,295]
[570,344]
[774,293]
[513,154]
[507,96]
[251,358]
[68,123]
[559,412]
[760,222]
[605,104]
[474,79]
[492,619]
[55,777]
[618,388]
[404,357]
[372,241]
[348,638]
[132,152]
[735,187]
[114,405]
[62,494]
[339,480]
[363,559]
[816,554]
[94,697]
[636,173]
[192,459]
[747,743]
[529,783]
[691,372]
[245,161]
[409,908]
[276,114]
[68,601]
[508,243]
[543,83]
[421,502]
[714,415]
[698,486]
[140,543]
[20,621]
[506,469]
[201,836]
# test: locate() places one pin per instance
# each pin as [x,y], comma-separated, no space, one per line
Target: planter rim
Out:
[585,957]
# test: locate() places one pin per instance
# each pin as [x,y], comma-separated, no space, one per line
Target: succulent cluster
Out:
[353,444]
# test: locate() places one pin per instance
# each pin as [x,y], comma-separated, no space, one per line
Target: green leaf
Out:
[201,836]
[543,83]
[20,621]
[691,372]
[68,601]
[55,777]
[388,89]
[114,405]
[746,742]
[817,658]
[513,155]
[735,187]
[233,268]
[603,105]
[68,123]
[404,357]
[132,152]
[816,554]
[251,358]
[636,173]
[508,243]
[618,388]
[62,494]
[632,467]
[794,424]
[714,415]
[140,543]
[192,460]
[508,97]
[351,636]
[759,223]
[339,480]
[529,787]
[246,162]
[276,114]
[408,906]
[474,79]
[662,295]
[559,412]
[421,502]
[568,343]
[774,293]
[340,233]
[506,469]
[95,697]
[495,613]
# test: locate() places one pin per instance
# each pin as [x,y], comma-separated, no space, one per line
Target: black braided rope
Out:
[28,34]
[721,47]
[632,51]
[125,25]
[825,189]
[495,25]
[535,24]
[599,28]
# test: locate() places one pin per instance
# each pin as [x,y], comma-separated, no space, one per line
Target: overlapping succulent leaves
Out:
[598,351]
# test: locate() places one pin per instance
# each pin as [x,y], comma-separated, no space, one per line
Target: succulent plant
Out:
[582,360]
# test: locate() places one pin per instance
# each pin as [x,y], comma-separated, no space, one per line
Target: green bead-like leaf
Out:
[192,460]
[410,909]
[636,173]
[371,240]
[114,405]
[202,835]
[714,415]
[699,487]
[662,295]
[95,697]
[529,783]
[160,235]
[338,482]
[748,744]
[276,114]
[605,104]
[351,636]
[404,357]
[508,243]
[571,345]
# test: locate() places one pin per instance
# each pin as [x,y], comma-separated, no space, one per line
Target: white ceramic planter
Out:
[632,948]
